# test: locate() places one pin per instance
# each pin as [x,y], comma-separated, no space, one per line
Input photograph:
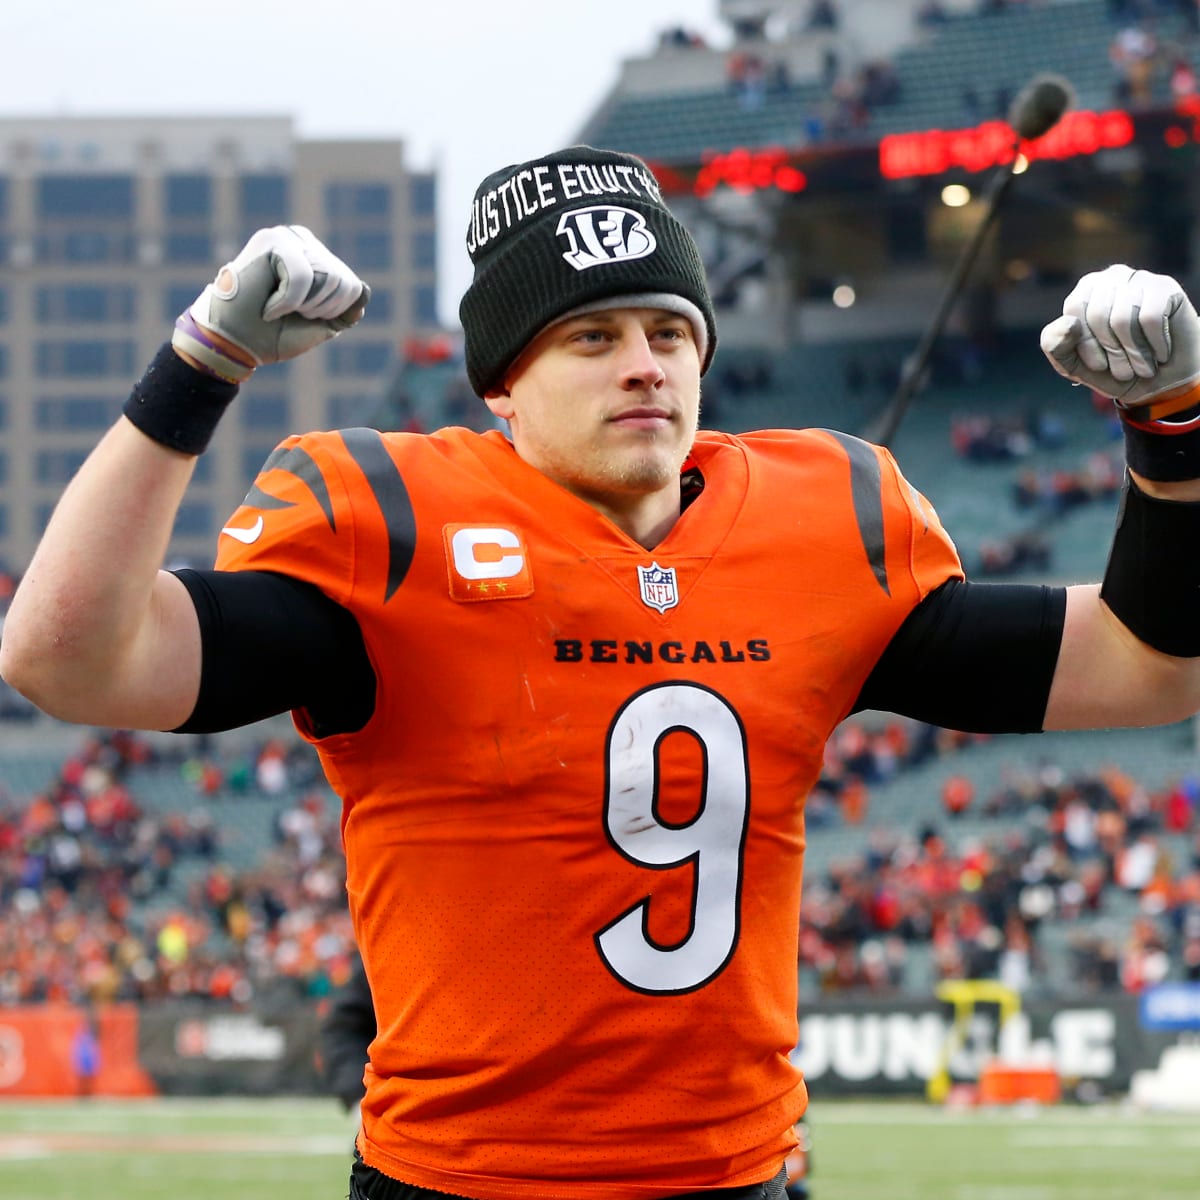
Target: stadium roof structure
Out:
[680,110]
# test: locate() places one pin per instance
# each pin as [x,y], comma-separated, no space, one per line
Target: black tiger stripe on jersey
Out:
[367,449]
[865,490]
[295,461]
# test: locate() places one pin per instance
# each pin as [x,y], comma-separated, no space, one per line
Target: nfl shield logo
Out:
[658,586]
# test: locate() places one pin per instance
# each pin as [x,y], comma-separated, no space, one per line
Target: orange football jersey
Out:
[574,825]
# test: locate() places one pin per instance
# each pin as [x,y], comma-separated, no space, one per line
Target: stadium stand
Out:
[140,868]
[220,879]
[127,871]
[987,55]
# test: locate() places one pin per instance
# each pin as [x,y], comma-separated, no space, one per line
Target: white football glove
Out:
[1131,335]
[283,294]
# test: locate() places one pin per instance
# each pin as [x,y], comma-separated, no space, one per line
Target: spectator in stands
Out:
[822,14]
[1182,78]
[831,66]
[747,76]
[1134,53]
[678,37]
[1027,550]
[1191,959]
[880,84]
[271,770]
[849,112]
[958,793]
[1144,961]
[749,27]
[779,78]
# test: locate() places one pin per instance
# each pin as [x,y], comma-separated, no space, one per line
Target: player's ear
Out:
[500,403]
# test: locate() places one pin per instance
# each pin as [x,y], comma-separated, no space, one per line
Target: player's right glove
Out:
[282,295]
[1131,335]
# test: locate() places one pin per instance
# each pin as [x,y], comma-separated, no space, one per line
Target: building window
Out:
[194,519]
[373,250]
[179,296]
[348,200]
[89,196]
[350,410]
[263,199]
[362,249]
[253,458]
[382,306]
[75,359]
[425,310]
[58,466]
[188,248]
[85,246]
[268,410]
[424,250]
[423,195]
[76,412]
[359,358]
[189,196]
[85,302]
[276,373]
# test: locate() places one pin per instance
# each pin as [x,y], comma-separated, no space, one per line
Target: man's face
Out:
[606,404]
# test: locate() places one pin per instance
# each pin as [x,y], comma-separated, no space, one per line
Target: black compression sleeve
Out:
[271,644]
[1152,580]
[979,657]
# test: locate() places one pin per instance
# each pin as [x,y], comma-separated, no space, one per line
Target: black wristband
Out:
[1152,581]
[1166,450]
[177,405]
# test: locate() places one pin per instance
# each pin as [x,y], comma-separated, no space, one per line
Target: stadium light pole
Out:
[1035,110]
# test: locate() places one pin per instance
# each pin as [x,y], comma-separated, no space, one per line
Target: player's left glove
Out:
[284,293]
[1135,336]
[1131,335]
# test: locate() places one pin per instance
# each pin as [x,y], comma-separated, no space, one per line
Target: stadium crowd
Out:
[106,897]
[103,897]
[917,906]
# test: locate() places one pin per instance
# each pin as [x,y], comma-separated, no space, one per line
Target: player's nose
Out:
[639,365]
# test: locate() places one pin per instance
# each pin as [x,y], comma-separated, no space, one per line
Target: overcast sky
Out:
[470,85]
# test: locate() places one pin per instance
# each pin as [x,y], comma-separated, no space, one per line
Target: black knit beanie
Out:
[562,232]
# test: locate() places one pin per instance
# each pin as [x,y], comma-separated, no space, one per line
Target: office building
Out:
[110,227]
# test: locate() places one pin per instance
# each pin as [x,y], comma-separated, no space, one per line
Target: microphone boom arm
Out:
[914,366]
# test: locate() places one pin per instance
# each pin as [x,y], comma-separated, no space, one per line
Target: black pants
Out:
[366,1183]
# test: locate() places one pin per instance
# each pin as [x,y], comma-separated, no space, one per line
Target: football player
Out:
[572,682]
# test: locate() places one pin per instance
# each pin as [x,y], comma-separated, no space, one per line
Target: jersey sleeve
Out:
[933,557]
[296,519]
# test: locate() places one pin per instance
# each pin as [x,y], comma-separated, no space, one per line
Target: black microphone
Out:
[1034,111]
[1039,106]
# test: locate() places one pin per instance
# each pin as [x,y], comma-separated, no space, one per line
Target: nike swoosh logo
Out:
[245,536]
